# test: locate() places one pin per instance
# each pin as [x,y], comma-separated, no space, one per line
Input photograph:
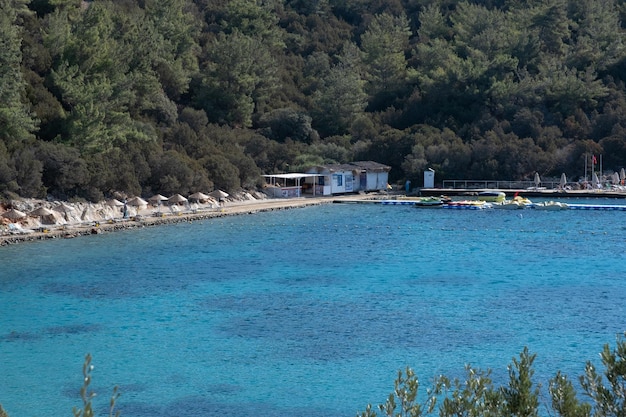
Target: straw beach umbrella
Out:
[177,198]
[157,199]
[199,197]
[41,211]
[137,202]
[64,208]
[13,214]
[219,194]
[114,203]
[45,215]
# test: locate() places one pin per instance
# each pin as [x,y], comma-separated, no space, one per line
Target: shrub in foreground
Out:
[476,395]
[87,396]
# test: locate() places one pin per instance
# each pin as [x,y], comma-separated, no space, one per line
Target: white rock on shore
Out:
[82,213]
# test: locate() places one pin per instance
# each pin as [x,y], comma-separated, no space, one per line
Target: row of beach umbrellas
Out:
[65,208]
[175,199]
[14,214]
[615,178]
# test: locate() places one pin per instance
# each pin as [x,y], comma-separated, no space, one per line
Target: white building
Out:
[330,179]
[347,178]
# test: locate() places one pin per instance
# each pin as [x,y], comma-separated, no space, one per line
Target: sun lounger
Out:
[16,229]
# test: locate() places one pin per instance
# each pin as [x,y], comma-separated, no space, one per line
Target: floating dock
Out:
[542,193]
[610,207]
[398,202]
[408,202]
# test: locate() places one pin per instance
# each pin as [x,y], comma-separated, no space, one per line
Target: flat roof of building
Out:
[291,175]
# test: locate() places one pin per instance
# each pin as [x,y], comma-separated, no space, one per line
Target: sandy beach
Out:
[148,216]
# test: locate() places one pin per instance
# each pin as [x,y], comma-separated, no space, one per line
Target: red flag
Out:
[594,160]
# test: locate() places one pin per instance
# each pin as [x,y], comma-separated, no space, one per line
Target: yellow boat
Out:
[492,196]
[516,203]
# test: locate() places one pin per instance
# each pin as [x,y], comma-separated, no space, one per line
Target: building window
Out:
[339,179]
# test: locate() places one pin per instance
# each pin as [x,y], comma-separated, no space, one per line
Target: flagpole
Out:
[585,166]
[593,166]
[600,167]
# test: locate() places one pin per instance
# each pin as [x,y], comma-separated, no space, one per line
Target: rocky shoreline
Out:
[147,218]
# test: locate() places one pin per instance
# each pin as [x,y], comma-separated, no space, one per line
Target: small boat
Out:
[514,204]
[508,205]
[492,196]
[428,202]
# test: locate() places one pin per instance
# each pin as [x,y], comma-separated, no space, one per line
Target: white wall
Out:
[429,179]
[338,182]
[377,181]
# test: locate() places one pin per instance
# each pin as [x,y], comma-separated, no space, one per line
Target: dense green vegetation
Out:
[146,96]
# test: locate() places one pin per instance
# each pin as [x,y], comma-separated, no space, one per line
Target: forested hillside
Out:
[178,96]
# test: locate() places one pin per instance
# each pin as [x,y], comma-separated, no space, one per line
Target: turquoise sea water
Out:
[305,312]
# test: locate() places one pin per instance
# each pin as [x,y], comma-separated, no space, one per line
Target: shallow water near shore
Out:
[305,312]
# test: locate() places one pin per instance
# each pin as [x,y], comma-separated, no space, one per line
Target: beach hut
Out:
[333,178]
[348,178]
